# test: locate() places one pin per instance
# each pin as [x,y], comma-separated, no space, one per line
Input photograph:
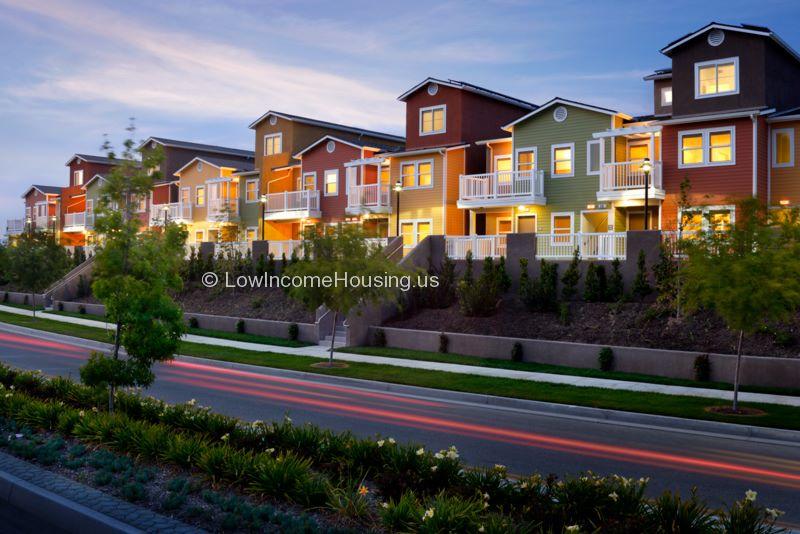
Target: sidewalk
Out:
[579,381]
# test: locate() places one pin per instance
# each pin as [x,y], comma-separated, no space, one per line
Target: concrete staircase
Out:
[339,338]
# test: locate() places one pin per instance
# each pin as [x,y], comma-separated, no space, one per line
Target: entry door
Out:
[636,219]
[480,224]
[526,224]
[502,165]
[638,151]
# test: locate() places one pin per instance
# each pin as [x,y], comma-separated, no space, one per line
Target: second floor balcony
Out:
[73,222]
[292,205]
[15,226]
[625,180]
[176,212]
[369,198]
[501,188]
[221,209]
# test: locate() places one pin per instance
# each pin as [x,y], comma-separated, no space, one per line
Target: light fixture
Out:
[522,208]
[398,186]
[784,202]
[646,166]
[263,199]
[590,206]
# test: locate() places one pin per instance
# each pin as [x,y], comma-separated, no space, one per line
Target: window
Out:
[716,78]
[593,159]
[666,96]
[250,234]
[78,177]
[502,166]
[273,144]
[331,182]
[414,231]
[386,174]
[638,152]
[783,147]
[705,218]
[185,196]
[417,174]
[330,146]
[561,156]
[526,159]
[199,236]
[561,224]
[432,120]
[213,236]
[251,191]
[504,225]
[701,148]
[140,204]
[307,182]
[200,165]
[200,195]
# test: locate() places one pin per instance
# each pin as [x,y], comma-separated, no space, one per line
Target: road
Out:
[721,466]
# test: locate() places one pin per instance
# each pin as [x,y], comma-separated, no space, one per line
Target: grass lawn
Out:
[23,306]
[652,403]
[463,359]
[249,338]
[79,315]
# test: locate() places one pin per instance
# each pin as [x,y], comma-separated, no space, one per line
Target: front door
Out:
[636,219]
[502,165]
[526,224]
[480,224]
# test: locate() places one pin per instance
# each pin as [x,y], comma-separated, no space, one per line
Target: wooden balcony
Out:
[177,212]
[625,180]
[222,209]
[501,188]
[292,205]
[369,198]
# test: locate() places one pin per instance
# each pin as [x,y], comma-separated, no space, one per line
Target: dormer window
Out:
[666,96]
[273,144]
[718,77]
[432,120]
[77,177]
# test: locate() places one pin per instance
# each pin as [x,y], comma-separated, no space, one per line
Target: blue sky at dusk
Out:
[202,71]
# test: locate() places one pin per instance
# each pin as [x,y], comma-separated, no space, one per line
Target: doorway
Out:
[594,221]
[480,224]
[636,219]
[526,224]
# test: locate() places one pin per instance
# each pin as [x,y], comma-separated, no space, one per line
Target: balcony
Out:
[481,246]
[501,188]
[596,246]
[42,222]
[222,209]
[625,181]
[177,212]
[73,222]
[292,205]
[369,198]
[15,226]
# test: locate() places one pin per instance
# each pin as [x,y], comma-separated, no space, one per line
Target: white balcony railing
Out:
[231,248]
[42,222]
[73,221]
[279,248]
[499,186]
[482,246]
[222,209]
[628,175]
[90,219]
[599,245]
[15,226]
[368,196]
[176,212]
[381,242]
[293,201]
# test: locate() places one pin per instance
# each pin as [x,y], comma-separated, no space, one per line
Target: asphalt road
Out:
[722,467]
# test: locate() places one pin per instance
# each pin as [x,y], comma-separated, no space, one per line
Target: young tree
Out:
[571,277]
[749,275]
[134,272]
[344,252]
[35,262]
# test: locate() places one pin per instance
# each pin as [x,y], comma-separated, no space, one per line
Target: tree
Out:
[36,261]
[133,274]
[571,277]
[641,287]
[749,275]
[343,252]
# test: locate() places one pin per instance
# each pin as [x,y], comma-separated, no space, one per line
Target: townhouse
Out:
[72,200]
[41,211]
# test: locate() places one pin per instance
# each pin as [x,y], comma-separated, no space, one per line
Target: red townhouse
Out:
[72,202]
[41,209]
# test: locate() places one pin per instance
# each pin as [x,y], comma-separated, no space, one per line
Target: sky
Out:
[73,71]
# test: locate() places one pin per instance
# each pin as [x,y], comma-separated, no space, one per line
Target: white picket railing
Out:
[176,211]
[279,248]
[627,175]
[72,220]
[368,196]
[42,222]
[15,226]
[597,245]
[511,185]
[231,247]
[221,209]
[482,246]
[377,241]
[305,200]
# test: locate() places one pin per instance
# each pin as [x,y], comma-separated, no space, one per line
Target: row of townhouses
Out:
[476,165]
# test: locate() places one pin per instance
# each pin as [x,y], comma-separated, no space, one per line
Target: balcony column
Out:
[472,222]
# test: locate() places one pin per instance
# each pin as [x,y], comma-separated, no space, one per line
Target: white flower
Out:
[428,514]
[613,495]
[644,480]
[191,402]
[499,467]
[270,450]
[481,529]
[774,513]
[226,437]
[385,504]
[381,442]
[524,484]
[573,528]
[81,413]
[434,468]
[8,395]
[438,455]
[750,495]
[452,454]
[391,441]
[485,496]
[288,419]
[420,451]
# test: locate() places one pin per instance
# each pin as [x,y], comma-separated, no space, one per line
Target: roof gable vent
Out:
[560,114]
[716,37]
[330,147]
[433,88]
[273,120]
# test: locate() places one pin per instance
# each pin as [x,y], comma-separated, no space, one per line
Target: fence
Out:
[598,245]
[481,246]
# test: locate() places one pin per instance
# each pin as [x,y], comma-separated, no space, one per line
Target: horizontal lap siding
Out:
[786,180]
[318,160]
[420,203]
[455,168]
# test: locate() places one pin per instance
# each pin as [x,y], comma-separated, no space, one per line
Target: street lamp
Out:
[398,187]
[166,216]
[646,168]
[263,200]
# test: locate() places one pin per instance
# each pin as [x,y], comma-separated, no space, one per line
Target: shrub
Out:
[670,513]
[606,359]
[82,309]
[443,295]
[503,279]
[540,294]
[571,277]
[444,342]
[102,478]
[641,287]
[379,338]
[402,515]
[478,298]
[595,287]
[193,322]
[83,289]
[240,327]
[564,313]
[133,492]
[270,264]
[665,275]
[516,352]
[702,368]
[615,286]
[60,306]
[294,332]
[256,303]
[173,501]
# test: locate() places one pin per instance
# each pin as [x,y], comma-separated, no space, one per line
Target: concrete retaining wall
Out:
[15,297]
[756,370]
[75,307]
[260,327]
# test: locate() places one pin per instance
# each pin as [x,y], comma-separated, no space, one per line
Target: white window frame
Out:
[774,140]
[325,174]
[273,136]
[201,232]
[553,239]
[443,107]
[303,180]
[533,149]
[246,183]
[416,223]
[253,229]
[504,219]
[189,195]
[704,210]
[196,189]
[77,177]
[589,144]
[664,90]
[553,149]
[416,164]
[140,204]
[716,63]
[706,147]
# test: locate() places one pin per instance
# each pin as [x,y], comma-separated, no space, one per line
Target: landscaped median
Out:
[271,469]
[776,416]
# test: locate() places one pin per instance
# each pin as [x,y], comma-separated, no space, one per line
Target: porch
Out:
[501,188]
[289,205]
[369,198]
[174,212]
[635,169]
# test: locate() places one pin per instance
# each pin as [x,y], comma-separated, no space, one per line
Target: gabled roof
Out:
[91,159]
[355,143]
[566,102]
[660,74]
[163,141]
[94,178]
[751,29]
[331,125]
[458,84]
[43,189]
[219,163]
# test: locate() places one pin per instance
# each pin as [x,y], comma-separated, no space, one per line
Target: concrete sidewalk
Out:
[579,381]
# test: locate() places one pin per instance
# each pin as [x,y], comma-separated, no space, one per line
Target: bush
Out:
[82,309]
[595,287]
[702,368]
[444,294]
[379,339]
[616,286]
[606,359]
[571,277]
[641,287]
[193,323]
[270,264]
[444,342]
[541,294]
[564,313]
[478,298]
[60,306]
[503,279]
[240,327]
[256,303]
[294,332]
[133,492]
[516,352]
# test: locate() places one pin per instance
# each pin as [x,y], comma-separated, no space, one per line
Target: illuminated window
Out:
[386,174]
[273,144]
[417,174]
[561,227]
[593,157]
[307,182]
[200,195]
[250,234]
[331,182]
[251,191]
[504,226]
[502,165]
[707,147]
[638,152]
[199,236]
[526,159]
[432,120]
[414,231]
[408,175]
[78,177]
[783,147]
[561,156]
[716,78]
[666,96]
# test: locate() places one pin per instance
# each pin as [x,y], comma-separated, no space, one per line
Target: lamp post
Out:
[166,216]
[646,168]
[398,187]
[263,200]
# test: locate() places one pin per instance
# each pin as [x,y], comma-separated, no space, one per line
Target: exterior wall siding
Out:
[423,203]
[785,181]
[318,160]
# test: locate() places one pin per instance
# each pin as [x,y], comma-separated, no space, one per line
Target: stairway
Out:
[339,338]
